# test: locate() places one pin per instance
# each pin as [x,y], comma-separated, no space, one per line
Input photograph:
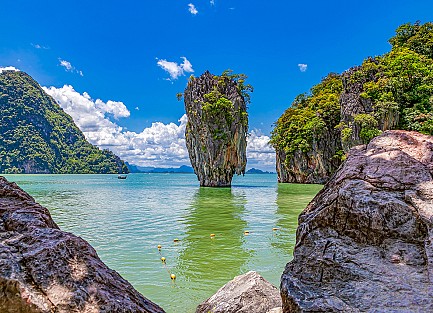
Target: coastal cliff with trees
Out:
[391,91]
[37,136]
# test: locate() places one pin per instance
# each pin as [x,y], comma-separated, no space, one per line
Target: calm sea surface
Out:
[125,221]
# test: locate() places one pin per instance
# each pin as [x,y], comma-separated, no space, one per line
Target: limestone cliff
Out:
[365,242]
[391,91]
[217,128]
[305,138]
[45,270]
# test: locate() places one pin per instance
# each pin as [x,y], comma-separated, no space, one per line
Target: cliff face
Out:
[216,129]
[44,270]
[391,91]
[305,138]
[37,136]
[354,105]
[312,167]
[364,243]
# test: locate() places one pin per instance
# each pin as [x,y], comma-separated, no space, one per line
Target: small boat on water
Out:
[121,176]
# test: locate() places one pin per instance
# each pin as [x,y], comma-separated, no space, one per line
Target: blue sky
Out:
[109,50]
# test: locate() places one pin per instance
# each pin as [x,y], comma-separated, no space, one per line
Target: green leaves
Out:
[37,136]
[304,121]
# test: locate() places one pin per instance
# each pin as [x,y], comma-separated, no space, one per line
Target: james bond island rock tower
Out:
[217,126]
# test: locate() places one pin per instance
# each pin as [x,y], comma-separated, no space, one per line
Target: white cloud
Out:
[38,46]
[174,69]
[260,153]
[160,145]
[192,9]
[69,68]
[303,67]
[212,2]
[8,68]
[67,65]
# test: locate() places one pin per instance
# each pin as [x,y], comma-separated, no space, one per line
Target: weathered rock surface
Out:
[247,293]
[43,269]
[313,167]
[215,135]
[352,104]
[364,243]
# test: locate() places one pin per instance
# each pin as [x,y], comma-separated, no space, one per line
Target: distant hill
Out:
[257,171]
[140,169]
[37,136]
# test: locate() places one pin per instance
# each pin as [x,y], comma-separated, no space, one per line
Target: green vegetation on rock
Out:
[37,136]
[391,91]
[304,122]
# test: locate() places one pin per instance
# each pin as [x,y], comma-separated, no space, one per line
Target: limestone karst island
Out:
[314,193]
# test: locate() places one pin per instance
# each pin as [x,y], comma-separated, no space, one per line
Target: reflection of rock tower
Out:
[217,127]
[207,261]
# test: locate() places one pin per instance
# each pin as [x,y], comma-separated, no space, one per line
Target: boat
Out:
[121,176]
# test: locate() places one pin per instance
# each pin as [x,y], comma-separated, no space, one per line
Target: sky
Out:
[116,66]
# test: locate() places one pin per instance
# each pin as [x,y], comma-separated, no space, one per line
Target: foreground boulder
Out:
[217,127]
[43,269]
[247,293]
[364,243]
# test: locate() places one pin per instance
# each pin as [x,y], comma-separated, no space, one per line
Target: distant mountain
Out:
[37,136]
[140,169]
[257,171]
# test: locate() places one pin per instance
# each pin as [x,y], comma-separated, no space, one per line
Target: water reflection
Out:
[206,263]
[291,200]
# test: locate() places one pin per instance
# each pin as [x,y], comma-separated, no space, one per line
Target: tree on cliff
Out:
[391,91]
[217,126]
[37,136]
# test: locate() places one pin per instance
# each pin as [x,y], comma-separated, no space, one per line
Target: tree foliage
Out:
[309,114]
[37,136]
[398,84]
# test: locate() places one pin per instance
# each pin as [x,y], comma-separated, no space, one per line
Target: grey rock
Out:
[216,144]
[44,269]
[364,243]
[353,104]
[247,293]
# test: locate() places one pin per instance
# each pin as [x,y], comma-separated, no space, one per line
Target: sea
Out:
[253,222]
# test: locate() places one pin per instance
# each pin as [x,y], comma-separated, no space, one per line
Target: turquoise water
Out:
[125,221]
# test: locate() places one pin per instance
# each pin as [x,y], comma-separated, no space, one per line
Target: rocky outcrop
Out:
[216,129]
[44,270]
[247,293]
[313,167]
[364,243]
[353,104]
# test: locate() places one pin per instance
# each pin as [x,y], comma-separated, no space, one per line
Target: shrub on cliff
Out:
[37,136]
[391,91]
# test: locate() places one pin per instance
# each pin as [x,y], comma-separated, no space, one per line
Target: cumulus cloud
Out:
[212,2]
[174,69]
[160,145]
[192,9]
[69,67]
[303,67]
[260,153]
[8,68]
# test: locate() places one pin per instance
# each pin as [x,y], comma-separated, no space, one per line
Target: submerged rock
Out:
[216,129]
[364,243]
[44,269]
[247,293]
